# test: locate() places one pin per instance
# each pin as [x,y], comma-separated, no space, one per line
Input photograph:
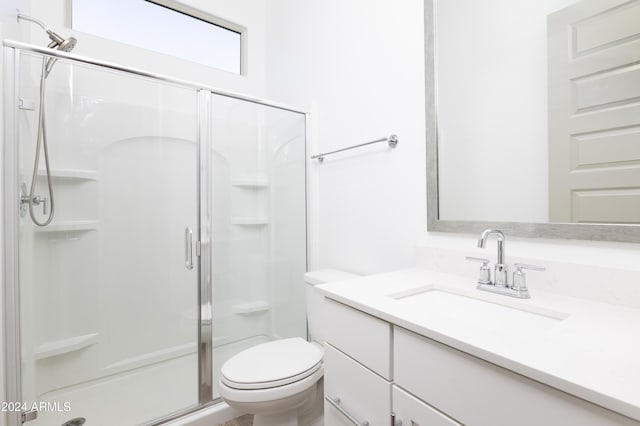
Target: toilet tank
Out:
[314,299]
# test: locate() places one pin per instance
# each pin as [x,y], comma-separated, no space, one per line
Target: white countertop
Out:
[593,352]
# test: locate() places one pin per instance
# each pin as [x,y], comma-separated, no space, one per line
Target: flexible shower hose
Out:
[41,142]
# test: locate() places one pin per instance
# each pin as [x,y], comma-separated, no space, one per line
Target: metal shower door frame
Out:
[205,259]
[203,246]
[11,231]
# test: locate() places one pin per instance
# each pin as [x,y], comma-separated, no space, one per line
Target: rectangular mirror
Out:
[538,117]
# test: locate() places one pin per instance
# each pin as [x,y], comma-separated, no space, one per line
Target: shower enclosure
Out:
[178,239]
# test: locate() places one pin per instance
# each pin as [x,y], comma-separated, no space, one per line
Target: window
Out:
[164,26]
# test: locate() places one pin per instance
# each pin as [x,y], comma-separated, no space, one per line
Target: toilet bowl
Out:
[278,381]
[272,380]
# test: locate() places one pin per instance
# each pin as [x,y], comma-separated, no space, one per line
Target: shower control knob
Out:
[45,206]
[37,200]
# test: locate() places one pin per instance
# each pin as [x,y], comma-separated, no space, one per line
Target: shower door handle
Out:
[188,248]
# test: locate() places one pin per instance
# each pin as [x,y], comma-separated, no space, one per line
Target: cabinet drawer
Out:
[410,411]
[365,338]
[476,392]
[361,393]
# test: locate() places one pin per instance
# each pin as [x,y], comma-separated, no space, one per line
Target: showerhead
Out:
[57,42]
[68,44]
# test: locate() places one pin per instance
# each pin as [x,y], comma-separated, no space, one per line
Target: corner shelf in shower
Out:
[245,308]
[70,226]
[71,174]
[65,346]
[250,221]
[250,183]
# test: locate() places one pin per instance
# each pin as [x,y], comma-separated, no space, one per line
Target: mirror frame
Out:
[599,232]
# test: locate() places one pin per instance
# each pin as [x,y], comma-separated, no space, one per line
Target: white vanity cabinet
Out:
[363,337]
[410,411]
[354,392]
[374,368]
[476,392]
[357,365]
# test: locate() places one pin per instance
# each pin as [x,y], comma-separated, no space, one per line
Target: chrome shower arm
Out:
[57,42]
[34,20]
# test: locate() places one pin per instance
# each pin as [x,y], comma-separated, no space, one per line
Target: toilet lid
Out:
[272,364]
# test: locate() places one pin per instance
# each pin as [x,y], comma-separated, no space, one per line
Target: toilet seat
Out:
[271,384]
[274,398]
[273,364]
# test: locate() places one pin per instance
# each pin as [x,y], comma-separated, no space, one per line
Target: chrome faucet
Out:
[500,283]
[501,269]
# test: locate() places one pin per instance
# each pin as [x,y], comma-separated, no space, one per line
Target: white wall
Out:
[359,67]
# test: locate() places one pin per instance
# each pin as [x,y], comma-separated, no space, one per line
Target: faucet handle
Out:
[519,277]
[521,266]
[478,259]
[484,276]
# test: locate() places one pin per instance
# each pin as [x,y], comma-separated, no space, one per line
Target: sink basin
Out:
[508,317]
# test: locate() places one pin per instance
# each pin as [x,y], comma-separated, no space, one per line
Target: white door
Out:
[594,112]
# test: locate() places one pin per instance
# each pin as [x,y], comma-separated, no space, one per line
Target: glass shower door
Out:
[108,289]
[258,227]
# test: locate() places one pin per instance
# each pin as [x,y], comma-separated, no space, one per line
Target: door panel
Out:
[594,116]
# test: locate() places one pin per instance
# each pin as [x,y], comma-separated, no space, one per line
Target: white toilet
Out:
[278,381]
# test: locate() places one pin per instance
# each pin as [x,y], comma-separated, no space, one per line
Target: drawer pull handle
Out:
[336,404]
